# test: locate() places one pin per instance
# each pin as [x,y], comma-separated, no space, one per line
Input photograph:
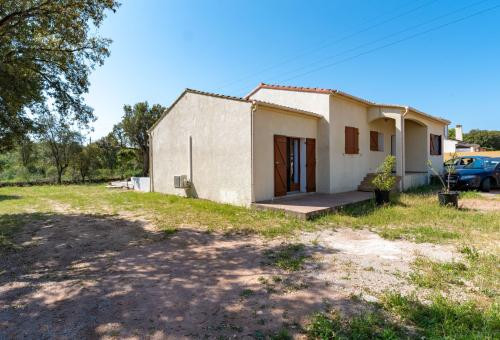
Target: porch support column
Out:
[400,147]
[398,115]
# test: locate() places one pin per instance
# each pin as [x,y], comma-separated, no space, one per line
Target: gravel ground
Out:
[86,276]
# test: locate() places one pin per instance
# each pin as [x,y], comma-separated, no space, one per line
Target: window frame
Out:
[432,146]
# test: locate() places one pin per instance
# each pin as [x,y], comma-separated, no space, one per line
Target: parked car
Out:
[474,172]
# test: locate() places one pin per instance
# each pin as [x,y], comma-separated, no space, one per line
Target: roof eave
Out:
[286,108]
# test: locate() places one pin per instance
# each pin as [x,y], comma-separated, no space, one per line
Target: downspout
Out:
[403,149]
[252,190]
[151,185]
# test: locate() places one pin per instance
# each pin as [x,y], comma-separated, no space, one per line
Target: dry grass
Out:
[414,216]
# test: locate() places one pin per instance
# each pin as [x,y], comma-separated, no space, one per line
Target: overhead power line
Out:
[327,43]
[395,42]
[410,28]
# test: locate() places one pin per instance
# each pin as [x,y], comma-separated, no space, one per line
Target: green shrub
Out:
[385,180]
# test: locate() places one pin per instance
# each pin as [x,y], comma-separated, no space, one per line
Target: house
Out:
[452,145]
[282,140]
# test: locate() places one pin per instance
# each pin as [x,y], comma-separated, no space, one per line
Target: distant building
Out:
[458,145]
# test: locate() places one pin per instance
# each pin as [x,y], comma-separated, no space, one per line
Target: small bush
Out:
[385,180]
[470,252]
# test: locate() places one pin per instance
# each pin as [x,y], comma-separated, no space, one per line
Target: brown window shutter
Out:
[356,140]
[373,140]
[351,140]
[432,144]
[347,140]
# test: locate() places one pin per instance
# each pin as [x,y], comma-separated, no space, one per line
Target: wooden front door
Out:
[280,165]
[310,164]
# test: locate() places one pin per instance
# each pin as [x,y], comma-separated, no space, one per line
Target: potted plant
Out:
[446,196]
[384,180]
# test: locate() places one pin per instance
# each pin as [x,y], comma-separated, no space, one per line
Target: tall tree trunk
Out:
[145,163]
[59,176]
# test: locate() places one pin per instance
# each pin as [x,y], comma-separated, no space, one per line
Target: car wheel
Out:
[486,185]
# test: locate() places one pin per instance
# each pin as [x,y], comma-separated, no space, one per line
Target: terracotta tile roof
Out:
[211,94]
[341,93]
[257,102]
[307,89]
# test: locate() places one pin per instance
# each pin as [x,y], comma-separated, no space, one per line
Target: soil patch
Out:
[114,277]
[481,205]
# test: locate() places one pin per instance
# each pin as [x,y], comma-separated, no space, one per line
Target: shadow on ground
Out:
[9,197]
[94,276]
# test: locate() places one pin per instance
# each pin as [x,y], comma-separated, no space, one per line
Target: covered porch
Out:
[409,143]
[309,205]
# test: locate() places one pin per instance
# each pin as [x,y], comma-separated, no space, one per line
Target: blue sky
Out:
[440,56]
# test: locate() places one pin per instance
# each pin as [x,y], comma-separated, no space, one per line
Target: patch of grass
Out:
[417,216]
[405,317]
[245,293]
[470,195]
[370,325]
[432,274]
[168,231]
[470,252]
[282,334]
[443,318]
[10,224]
[8,227]
[166,211]
[323,326]
[289,257]
[418,234]
[479,269]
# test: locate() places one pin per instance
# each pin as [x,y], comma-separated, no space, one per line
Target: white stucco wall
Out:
[349,170]
[221,148]
[318,103]
[267,123]
[338,172]
[387,127]
[450,145]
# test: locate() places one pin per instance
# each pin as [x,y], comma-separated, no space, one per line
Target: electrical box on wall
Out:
[181,182]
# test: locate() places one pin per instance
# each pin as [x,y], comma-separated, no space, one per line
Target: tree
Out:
[47,50]
[135,124]
[62,142]
[26,151]
[85,161]
[108,148]
[489,139]
[451,133]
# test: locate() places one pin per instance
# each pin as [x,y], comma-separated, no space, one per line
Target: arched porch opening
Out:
[416,154]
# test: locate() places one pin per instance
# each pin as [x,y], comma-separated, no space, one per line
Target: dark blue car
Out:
[474,172]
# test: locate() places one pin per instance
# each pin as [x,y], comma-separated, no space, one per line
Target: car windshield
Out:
[453,161]
[472,163]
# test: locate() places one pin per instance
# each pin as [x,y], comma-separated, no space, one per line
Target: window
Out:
[351,140]
[376,141]
[477,163]
[435,145]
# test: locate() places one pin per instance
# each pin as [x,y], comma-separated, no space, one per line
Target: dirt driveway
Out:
[86,276]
